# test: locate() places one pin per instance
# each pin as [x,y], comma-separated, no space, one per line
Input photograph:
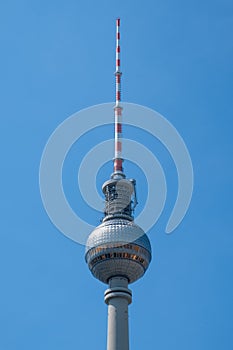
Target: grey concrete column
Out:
[118,297]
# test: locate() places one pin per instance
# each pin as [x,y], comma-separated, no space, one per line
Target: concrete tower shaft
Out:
[118,297]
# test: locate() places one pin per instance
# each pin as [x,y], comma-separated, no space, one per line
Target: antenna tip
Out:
[118,21]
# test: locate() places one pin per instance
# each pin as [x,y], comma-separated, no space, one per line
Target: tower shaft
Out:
[118,297]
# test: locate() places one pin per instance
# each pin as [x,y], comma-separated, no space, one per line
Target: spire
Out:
[118,169]
[120,193]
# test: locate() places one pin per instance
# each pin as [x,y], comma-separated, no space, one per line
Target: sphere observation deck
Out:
[118,247]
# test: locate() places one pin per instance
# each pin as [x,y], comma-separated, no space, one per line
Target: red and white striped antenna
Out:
[118,160]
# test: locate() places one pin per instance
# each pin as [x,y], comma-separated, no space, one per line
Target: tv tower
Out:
[118,251]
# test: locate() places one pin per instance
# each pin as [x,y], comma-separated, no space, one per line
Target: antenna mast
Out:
[118,160]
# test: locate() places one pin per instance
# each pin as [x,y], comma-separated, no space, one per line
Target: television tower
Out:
[118,251]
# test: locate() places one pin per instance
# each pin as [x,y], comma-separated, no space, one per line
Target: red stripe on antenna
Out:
[118,165]
[118,128]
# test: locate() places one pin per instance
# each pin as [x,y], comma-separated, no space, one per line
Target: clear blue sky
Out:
[57,57]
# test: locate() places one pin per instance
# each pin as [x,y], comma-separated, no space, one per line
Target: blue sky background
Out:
[57,57]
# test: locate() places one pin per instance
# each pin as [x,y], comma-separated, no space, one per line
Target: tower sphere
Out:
[118,247]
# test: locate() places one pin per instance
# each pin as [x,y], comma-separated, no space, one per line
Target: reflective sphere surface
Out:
[118,247]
